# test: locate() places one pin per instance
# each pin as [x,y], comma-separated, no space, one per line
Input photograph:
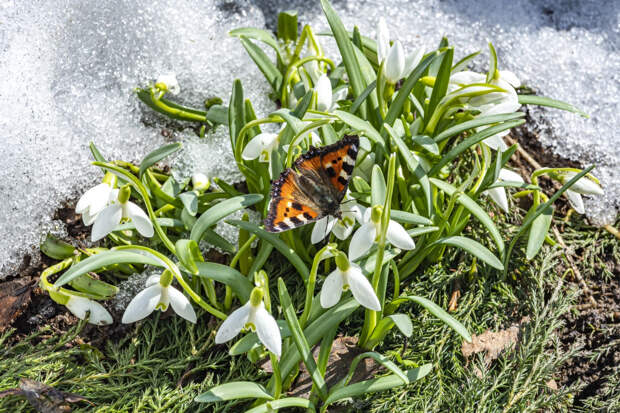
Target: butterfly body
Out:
[314,187]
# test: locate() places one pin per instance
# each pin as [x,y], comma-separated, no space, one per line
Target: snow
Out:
[69,68]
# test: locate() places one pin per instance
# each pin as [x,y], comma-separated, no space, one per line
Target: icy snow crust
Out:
[69,68]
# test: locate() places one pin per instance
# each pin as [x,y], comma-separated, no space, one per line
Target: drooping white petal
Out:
[139,218]
[508,175]
[383,40]
[181,305]
[496,142]
[395,63]
[233,324]
[362,240]
[152,280]
[79,306]
[332,289]
[142,304]
[322,227]
[467,77]
[323,93]
[87,218]
[342,231]
[340,94]
[576,201]
[94,200]
[584,185]
[397,235]
[268,331]
[258,144]
[412,61]
[498,195]
[106,221]
[312,67]
[509,77]
[362,289]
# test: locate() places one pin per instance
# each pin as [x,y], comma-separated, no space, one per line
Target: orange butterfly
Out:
[313,187]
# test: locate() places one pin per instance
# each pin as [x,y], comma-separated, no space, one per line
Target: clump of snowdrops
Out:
[431,157]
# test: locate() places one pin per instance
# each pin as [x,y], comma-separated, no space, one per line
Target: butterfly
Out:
[314,187]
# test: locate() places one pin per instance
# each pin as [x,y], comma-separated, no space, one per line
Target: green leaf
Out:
[346,49]
[474,123]
[218,114]
[188,253]
[287,26]
[361,98]
[96,154]
[475,209]
[215,239]
[473,247]
[543,101]
[236,114]
[378,187]
[416,232]
[222,210]
[361,125]
[492,63]
[280,245]
[403,322]
[190,202]
[379,358]
[104,259]
[258,34]
[233,391]
[408,218]
[157,155]
[377,385]
[538,232]
[271,72]
[427,143]
[240,285]
[89,285]
[441,82]
[471,141]
[268,407]
[441,314]
[462,64]
[56,248]
[300,340]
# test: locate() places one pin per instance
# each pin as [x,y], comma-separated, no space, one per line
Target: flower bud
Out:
[584,185]
[166,278]
[124,193]
[323,93]
[256,297]
[342,262]
[200,181]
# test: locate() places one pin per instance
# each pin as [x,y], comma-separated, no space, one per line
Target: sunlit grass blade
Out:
[157,155]
[226,275]
[538,232]
[378,188]
[440,313]
[408,218]
[266,66]
[233,391]
[287,402]
[552,103]
[441,82]
[362,126]
[474,123]
[473,247]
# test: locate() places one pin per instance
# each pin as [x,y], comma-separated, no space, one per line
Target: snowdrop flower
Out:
[348,275]
[80,306]
[200,182]
[498,195]
[326,98]
[492,103]
[168,82]
[254,316]
[261,146]
[96,198]
[158,294]
[397,65]
[342,228]
[584,186]
[366,235]
[112,215]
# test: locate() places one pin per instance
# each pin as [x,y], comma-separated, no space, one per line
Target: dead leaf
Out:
[14,298]
[552,385]
[44,398]
[493,343]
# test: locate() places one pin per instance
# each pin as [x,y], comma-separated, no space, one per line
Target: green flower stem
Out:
[147,202]
[311,283]
[175,111]
[373,317]
[275,364]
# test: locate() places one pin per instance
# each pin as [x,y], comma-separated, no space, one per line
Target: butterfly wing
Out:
[333,163]
[289,207]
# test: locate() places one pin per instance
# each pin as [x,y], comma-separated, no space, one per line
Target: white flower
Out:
[397,65]
[111,216]
[200,181]
[94,201]
[366,235]
[80,306]
[498,195]
[170,81]
[342,228]
[261,146]
[255,317]
[353,278]
[157,296]
[492,103]
[326,98]
[584,186]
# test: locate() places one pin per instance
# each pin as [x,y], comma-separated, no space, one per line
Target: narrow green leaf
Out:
[538,232]
[441,82]
[462,64]
[96,154]
[361,98]
[441,314]
[300,340]
[236,113]
[280,245]
[264,36]
[56,248]
[477,122]
[492,63]
[271,72]
[89,285]
[222,210]
[377,385]
[473,247]
[475,209]
[416,232]
[157,155]
[287,402]
[543,101]
[104,259]
[190,202]
[427,143]
[408,218]
[188,253]
[233,391]
[240,285]
[378,188]
[287,26]
[362,126]
[218,114]
[403,322]
[379,358]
